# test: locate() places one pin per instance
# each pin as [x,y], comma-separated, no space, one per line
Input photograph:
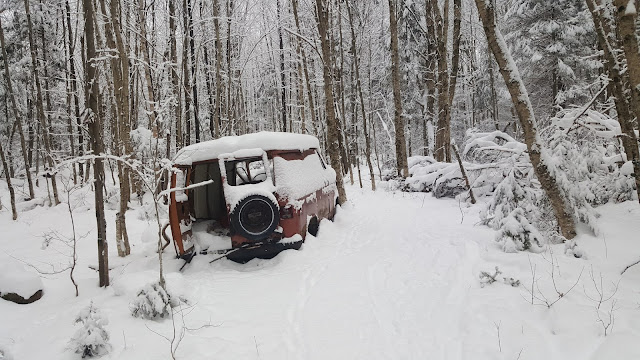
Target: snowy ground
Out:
[394,277]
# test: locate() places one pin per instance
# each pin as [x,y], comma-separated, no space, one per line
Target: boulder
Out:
[18,283]
[18,299]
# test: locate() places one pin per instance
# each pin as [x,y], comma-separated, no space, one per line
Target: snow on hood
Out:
[296,179]
[230,144]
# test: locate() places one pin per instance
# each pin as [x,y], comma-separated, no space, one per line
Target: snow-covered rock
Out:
[18,283]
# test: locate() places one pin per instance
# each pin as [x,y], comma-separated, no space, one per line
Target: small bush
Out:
[152,302]
[91,339]
[517,234]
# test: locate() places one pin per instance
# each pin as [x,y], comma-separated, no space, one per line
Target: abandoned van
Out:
[249,196]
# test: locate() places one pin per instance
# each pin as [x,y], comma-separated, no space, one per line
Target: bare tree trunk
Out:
[443,133]
[16,114]
[494,95]
[71,87]
[151,101]
[282,74]
[430,81]
[95,129]
[218,42]
[300,97]
[455,59]
[627,33]
[121,130]
[7,176]
[312,108]
[230,119]
[613,67]
[194,82]
[401,147]
[40,105]
[185,74]
[365,128]
[175,79]
[322,11]
[464,173]
[521,102]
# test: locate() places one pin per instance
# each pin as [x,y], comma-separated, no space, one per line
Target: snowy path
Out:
[387,280]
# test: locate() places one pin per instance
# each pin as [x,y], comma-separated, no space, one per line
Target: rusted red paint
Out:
[321,207]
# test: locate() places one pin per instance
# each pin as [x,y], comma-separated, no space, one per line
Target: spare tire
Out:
[255,217]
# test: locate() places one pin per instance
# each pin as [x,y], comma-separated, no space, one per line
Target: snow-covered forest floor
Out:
[395,276]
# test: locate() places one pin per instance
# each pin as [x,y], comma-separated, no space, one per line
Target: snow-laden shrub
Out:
[518,189]
[517,204]
[515,233]
[575,169]
[152,302]
[590,141]
[92,339]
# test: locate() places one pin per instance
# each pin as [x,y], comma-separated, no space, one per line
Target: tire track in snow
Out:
[335,246]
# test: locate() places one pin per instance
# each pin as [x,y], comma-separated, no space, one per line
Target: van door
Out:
[249,195]
[180,210]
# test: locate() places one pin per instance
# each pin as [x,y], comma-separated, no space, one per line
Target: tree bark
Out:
[521,102]
[194,82]
[230,119]
[96,133]
[430,80]
[322,12]
[185,74]
[455,57]
[73,88]
[151,101]
[443,133]
[218,42]
[282,74]
[312,108]
[627,32]
[7,176]
[175,79]
[121,129]
[401,147]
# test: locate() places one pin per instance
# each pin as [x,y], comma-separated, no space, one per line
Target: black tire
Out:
[313,226]
[255,217]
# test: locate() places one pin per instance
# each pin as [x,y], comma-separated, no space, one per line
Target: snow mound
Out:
[15,278]
[229,144]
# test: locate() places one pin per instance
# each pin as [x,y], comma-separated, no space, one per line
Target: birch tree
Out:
[96,133]
[521,102]
[401,147]
[322,13]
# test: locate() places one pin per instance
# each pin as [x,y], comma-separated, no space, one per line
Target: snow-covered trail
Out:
[395,276]
[387,279]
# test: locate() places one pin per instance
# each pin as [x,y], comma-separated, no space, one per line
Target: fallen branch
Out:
[629,266]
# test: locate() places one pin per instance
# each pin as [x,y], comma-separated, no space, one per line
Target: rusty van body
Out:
[249,196]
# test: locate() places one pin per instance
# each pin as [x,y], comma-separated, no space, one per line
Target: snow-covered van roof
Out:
[266,141]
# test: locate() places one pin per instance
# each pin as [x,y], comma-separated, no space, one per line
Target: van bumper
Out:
[262,251]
